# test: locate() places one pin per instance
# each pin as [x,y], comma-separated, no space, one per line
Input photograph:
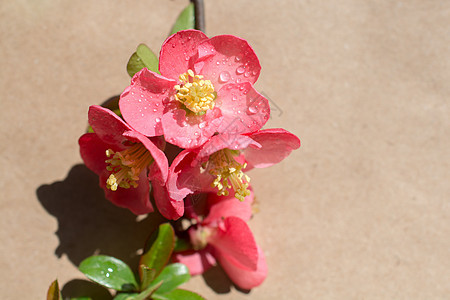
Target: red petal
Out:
[135,199]
[92,150]
[141,104]
[189,131]
[177,50]
[222,141]
[244,278]
[244,110]
[232,59]
[235,242]
[228,206]
[196,261]
[160,159]
[185,177]
[276,144]
[168,207]
[107,125]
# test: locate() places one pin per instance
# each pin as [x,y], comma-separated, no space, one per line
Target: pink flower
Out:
[124,159]
[224,236]
[205,86]
[218,166]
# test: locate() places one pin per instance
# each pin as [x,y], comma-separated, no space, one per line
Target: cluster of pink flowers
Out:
[203,102]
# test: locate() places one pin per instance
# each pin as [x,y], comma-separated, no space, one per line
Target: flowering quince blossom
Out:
[224,236]
[124,159]
[205,87]
[218,166]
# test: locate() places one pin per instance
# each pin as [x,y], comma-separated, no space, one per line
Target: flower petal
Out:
[160,159]
[235,242]
[135,199]
[228,206]
[276,144]
[222,141]
[188,130]
[186,178]
[168,207]
[141,104]
[92,151]
[176,52]
[245,279]
[107,125]
[197,262]
[244,110]
[233,61]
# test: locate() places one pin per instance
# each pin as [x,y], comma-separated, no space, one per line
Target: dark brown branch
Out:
[199,10]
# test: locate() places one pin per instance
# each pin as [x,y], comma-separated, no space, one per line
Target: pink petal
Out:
[244,278]
[228,206]
[107,125]
[92,150]
[142,104]
[235,242]
[188,130]
[244,110]
[160,159]
[197,262]
[276,143]
[168,207]
[176,52]
[225,141]
[135,199]
[186,178]
[233,61]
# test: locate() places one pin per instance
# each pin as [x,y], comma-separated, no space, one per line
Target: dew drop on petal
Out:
[238,80]
[252,110]
[155,110]
[234,98]
[157,120]
[241,88]
[240,70]
[237,58]
[202,125]
[224,76]
[173,46]
[247,74]
[254,72]
[218,63]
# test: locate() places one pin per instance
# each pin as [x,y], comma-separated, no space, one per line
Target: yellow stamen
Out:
[229,174]
[125,166]
[195,93]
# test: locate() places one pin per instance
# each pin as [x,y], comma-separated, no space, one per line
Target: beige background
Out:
[361,211]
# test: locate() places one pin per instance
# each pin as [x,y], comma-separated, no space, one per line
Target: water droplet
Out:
[142,115]
[110,270]
[173,46]
[155,110]
[247,74]
[189,38]
[142,96]
[145,107]
[196,133]
[224,76]
[254,72]
[237,58]
[218,63]
[238,80]
[157,120]
[156,104]
[240,70]
[241,88]
[252,110]
[140,100]
[239,112]
[234,98]
[202,125]
[235,146]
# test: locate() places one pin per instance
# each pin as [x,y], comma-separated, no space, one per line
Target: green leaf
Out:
[81,298]
[142,58]
[109,272]
[158,250]
[182,245]
[53,292]
[186,19]
[148,291]
[147,276]
[179,294]
[172,276]
[125,296]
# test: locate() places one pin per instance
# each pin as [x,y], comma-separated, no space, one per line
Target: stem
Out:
[199,9]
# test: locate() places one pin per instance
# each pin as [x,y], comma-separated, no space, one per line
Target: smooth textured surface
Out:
[361,211]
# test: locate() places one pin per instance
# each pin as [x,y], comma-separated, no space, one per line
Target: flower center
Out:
[199,237]
[229,174]
[125,166]
[195,93]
